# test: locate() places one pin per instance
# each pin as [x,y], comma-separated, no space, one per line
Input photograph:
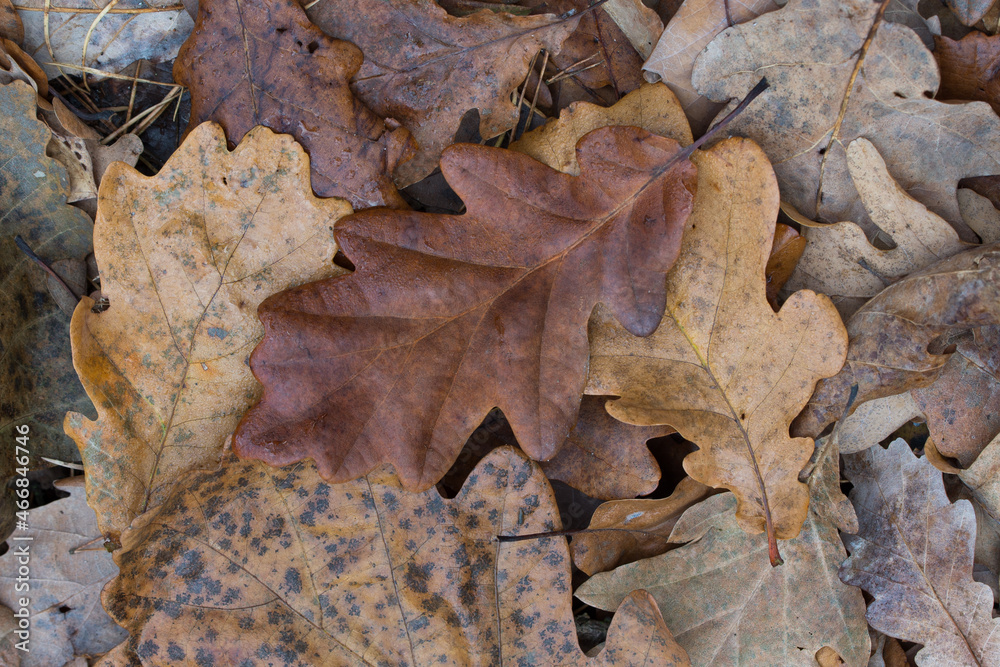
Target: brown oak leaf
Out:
[264,63]
[256,563]
[448,317]
[969,68]
[913,554]
[426,69]
[723,368]
[185,257]
[934,334]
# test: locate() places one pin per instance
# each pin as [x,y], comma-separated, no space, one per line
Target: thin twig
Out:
[75,10]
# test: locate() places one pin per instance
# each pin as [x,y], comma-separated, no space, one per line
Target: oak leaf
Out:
[447,317]
[426,69]
[840,261]
[257,563]
[185,258]
[71,567]
[10,23]
[913,553]
[786,252]
[981,482]
[969,68]
[690,30]
[934,334]
[723,369]
[631,530]
[726,606]
[37,380]
[828,88]
[263,63]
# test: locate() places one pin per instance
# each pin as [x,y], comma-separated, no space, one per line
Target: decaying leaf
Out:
[263,63]
[969,68]
[982,481]
[723,368]
[913,553]
[185,258]
[726,606]
[106,42]
[694,25]
[938,325]
[606,458]
[274,564]
[630,530]
[980,215]
[840,261]
[969,12]
[829,88]
[64,592]
[447,317]
[652,107]
[426,69]
[37,380]
[786,251]
[10,23]
[875,420]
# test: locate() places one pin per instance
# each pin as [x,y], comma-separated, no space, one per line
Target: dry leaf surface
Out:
[448,317]
[727,606]
[426,69]
[362,573]
[913,553]
[840,261]
[809,50]
[264,63]
[723,368]
[37,380]
[185,258]
[952,304]
[969,68]
[67,619]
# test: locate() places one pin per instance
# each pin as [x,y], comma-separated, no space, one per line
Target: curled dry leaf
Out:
[913,553]
[66,619]
[694,25]
[839,260]
[723,368]
[606,458]
[426,69]
[726,606]
[362,573]
[631,530]
[786,251]
[829,87]
[447,317]
[935,333]
[264,63]
[37,380]
[108,42]
[969,68]
[185,258]
[652,107]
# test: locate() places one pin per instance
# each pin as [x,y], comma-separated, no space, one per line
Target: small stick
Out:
[26,249]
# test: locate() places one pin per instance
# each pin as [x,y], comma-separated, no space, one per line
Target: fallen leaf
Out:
[875,420]
[725,604]
[10,23]
[696,24]
[127,148]
[631,530]
[362,573]
[723,368]
[840,261]
[64,592]
[606,458]
[185,257]
[652,107]
[447,317]
[106,42]
[279,70]
[969,12]
[16,65]
[786,251]
[37,380]
[980,215]
[426,69]
[969,68]
[810,51]
[9,654]
[901,340]
[913,554]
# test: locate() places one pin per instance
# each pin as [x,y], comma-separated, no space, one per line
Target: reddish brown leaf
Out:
[447,317]
[426,69]
[908,338]
[786,250]
[969,68]
[263,63]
